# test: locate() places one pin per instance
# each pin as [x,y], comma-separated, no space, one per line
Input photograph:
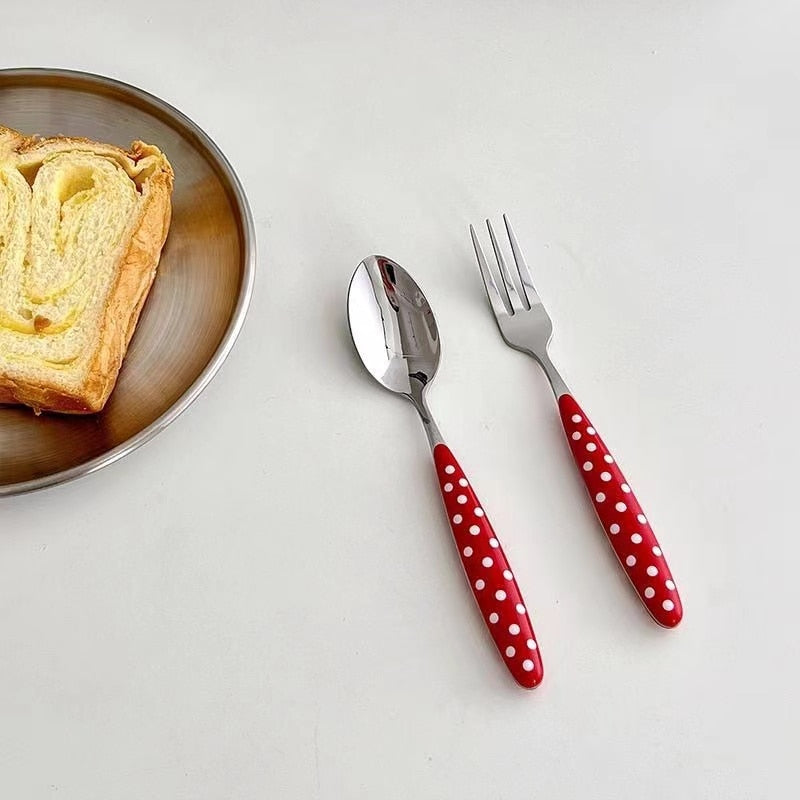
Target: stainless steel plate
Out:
[198,301]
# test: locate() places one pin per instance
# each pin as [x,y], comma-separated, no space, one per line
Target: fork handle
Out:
[621,516]
[490,578]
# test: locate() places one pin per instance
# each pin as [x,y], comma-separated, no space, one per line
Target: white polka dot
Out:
[449,469]
[591,447]
[493,542]
[605,476]
[527,665]
[656,551]
[668,605]
[461,499]
[468,551]
[478,512]
[480,583]
[486,561]
[448,487]
[531,644]
[500,594]
[474,530]
[621,507]
[600,497]
[510,652]
[652,571]
[463,482]
[587,465]
[649,592]
[513,629]
[669,584]
[458,519]
[614,528]
[493,617]
[576,418]
[630,561]
[625,488]
[520,608]
[507,574]
[636,538]
[576,436]
[607,458]
[591,431]
[642,518]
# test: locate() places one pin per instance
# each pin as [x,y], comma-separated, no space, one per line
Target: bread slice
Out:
[82,225]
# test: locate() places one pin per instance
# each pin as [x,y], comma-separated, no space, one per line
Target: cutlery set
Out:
[395,334]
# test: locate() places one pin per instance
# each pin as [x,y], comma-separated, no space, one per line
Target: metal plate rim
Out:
[242,303]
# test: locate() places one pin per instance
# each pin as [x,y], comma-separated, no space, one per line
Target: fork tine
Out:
[511,287]
[492,292]
[531,295]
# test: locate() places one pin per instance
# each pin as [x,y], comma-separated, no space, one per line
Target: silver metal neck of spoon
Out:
[431,428]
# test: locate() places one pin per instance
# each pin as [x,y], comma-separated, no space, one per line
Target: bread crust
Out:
[135,273]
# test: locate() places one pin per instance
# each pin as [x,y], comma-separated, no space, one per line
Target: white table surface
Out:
[265,602]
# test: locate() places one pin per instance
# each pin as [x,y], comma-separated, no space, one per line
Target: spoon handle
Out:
[490,578]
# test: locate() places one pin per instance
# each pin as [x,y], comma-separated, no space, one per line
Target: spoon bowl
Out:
[393,327]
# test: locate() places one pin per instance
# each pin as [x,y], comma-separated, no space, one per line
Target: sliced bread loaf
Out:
[82,225]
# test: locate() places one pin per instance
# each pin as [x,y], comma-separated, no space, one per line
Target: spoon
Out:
[395,334]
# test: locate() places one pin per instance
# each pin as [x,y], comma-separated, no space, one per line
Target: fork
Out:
[526,326]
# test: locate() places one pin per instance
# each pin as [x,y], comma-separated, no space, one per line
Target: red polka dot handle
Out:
[490,578]
[624,523]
